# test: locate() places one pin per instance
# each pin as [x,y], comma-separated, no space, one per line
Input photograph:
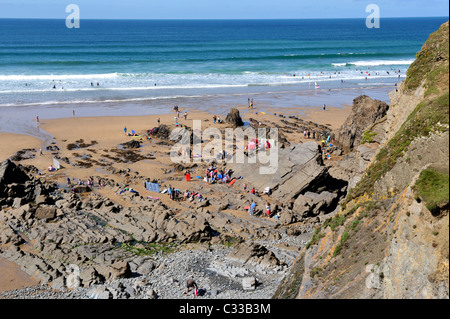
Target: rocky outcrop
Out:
[162,132]
[301,178]
[10,173]
[70,229]
[299,168]
[131,144]
[17,188]
[365,112]
[234,118]
[255,254]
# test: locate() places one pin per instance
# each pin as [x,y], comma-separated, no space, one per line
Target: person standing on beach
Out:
[268,209]
[37,119]
[125,130]
[252,208]
[159,121]
[169,191]
[191,284]
[185,115]
[324,107]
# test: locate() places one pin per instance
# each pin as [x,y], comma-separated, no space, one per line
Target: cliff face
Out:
[389,239]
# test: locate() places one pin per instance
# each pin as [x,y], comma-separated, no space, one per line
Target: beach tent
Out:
[56,164]
[153,187]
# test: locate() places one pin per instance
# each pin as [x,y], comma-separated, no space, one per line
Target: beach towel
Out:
[232,182]
[155,187]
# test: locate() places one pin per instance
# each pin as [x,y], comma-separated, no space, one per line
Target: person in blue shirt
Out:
[252,208]
[169,191]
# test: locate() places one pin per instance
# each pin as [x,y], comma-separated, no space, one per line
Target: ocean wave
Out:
[131,88]
[339,64]
[57,77]
[374,63]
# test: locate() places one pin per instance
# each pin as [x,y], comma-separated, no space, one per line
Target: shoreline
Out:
[332,117]
[22,120]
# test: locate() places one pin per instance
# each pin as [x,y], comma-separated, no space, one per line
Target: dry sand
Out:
[11,143]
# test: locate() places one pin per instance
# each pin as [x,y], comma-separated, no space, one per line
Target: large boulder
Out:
[162,132]
[255,254]
[11,173]
[312,204]
[80,189]
[365,112]
[234,118]
[131,144]
[300,168]
[117,270]
[46,212]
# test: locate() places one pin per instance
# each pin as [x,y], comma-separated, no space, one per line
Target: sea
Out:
[158,62]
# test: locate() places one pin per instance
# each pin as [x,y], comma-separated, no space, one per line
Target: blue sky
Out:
[221,9]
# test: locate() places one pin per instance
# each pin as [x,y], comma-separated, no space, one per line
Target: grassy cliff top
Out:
[431,65]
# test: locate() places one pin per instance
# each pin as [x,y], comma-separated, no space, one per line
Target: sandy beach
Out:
[11,143]
[102,136]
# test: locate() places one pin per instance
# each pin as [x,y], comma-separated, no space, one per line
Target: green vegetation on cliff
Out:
[431,64]
[433,188]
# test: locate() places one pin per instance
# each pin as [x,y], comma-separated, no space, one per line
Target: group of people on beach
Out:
[217,119]
[89,182]
[174,194]
[252,209]
[191,196]
[213,175]
[176,109]
[307,134]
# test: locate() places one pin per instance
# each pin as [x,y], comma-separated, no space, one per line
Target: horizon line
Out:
[224,19]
